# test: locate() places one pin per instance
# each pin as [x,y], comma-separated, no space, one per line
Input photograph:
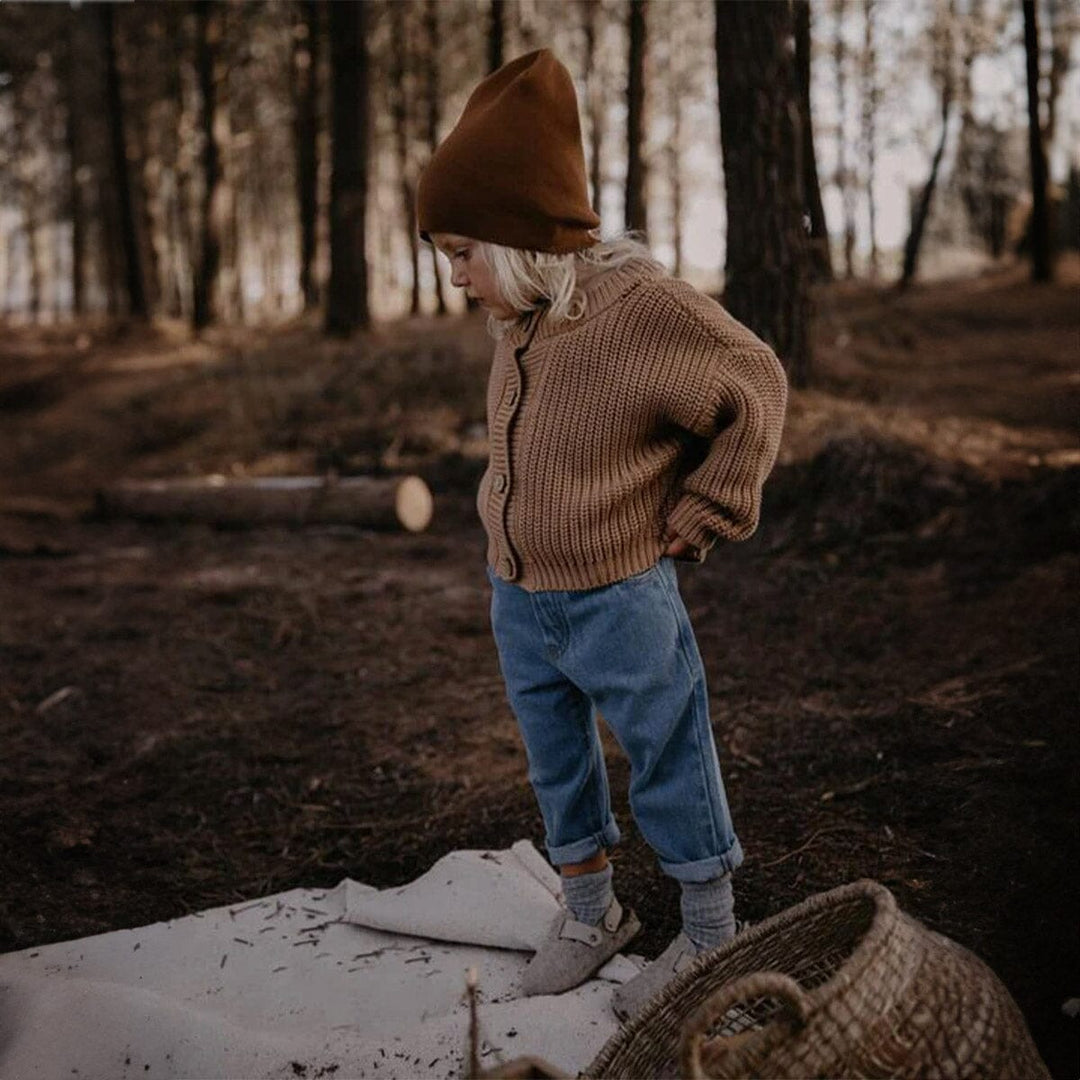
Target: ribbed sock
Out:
[708,912]
[588,895]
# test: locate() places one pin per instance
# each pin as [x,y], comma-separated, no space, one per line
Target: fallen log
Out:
[376,502]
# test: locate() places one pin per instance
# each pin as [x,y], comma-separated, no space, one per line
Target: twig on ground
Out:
[810,840]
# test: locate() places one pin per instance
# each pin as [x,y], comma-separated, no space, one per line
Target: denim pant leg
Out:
[632,650]
[558,727]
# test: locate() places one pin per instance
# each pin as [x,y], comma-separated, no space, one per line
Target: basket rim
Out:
[883,918]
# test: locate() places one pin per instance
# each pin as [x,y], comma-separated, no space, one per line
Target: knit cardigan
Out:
[654,409]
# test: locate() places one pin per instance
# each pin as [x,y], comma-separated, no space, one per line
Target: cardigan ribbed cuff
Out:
[688,517]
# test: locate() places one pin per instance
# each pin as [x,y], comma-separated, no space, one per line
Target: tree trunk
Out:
[844,181]
[180,298]
[432,90]
[674,81]
[594,102]
[820,253]
[1041,269]
[399,107]
[870,97]
[768,269]
[30,203]
[224,207]
[674,163]
[208,263]
[143,138]
[305,135]
[108,231]
[347,301]
[922,208]
[76,202]
[496,34]
[1062,28]
[134,281]
[636,216]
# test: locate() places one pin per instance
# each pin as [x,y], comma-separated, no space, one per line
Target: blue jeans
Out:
[627,651]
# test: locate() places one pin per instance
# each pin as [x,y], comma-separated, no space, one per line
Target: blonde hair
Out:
[528,280]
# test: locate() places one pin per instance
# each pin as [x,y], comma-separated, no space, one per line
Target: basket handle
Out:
[767,984]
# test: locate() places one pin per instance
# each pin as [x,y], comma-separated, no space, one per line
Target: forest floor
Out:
[191,716]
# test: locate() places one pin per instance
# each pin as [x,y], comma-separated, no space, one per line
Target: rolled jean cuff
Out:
[582,850]
[705,869]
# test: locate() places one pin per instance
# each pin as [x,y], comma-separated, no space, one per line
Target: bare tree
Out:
[768,263]
[1041,268]
[594,97]
[432,92]
[1064,25]
[73,125]
[305,135]
[496,34]
[820,253]
[208,261]
[636,213]
[134,281]
[943,59]
[399,108]
[870,94]
[845,179]
[347,301]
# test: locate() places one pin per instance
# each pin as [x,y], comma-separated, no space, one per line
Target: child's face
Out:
[470,271]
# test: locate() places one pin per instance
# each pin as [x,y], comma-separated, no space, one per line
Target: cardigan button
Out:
[513,396]
[500,482]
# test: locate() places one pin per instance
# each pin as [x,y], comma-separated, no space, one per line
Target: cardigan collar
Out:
[600,290]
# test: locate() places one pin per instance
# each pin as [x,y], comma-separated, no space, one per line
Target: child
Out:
[632,422]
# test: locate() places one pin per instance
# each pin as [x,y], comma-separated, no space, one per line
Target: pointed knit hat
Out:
[513,171]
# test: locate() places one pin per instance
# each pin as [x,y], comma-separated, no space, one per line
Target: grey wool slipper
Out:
[572,950]
[629,999]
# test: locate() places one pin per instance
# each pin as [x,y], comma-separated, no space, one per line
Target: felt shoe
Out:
[629,999]
[572,950]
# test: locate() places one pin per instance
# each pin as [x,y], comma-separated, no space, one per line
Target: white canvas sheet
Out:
[289,986]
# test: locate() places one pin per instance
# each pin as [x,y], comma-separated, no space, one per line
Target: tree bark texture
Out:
[399,107]
[820,253]
[944,59]
[347,301]
[76,199]
[845,181]
[921,212]
[636,180]
[434,118]
[208,261]
[594,100]
[29,204]
[870,97]
[305,134]
[134,281]
[496,34]
[768,262]
[1041,269]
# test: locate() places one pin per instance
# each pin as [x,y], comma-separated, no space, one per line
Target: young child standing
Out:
[632,422]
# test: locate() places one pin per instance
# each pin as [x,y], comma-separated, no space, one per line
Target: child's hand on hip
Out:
[676,547]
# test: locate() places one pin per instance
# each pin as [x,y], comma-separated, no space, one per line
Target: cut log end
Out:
[414,504]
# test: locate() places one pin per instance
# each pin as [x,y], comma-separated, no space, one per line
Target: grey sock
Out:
[708,912]
[588,895]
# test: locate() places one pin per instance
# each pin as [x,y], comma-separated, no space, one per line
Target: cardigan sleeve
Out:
[727,387]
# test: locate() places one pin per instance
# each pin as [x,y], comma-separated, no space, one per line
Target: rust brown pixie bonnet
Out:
[513,171]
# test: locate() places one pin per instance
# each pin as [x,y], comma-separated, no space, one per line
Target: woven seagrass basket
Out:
[842,985]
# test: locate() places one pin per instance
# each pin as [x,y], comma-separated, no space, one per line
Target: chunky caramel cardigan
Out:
[655,408]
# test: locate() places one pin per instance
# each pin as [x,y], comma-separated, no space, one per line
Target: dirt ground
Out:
[192,716]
